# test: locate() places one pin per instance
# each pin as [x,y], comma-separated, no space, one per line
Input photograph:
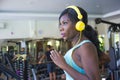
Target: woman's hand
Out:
[58,59]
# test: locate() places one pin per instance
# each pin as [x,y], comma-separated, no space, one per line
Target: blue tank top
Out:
[70,61]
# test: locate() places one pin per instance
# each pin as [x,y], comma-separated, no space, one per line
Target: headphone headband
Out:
[80,25]
[77,11]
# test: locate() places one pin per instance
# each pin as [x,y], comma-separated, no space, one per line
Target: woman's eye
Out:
[64,22]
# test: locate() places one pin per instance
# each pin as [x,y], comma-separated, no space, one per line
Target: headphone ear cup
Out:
[80,26]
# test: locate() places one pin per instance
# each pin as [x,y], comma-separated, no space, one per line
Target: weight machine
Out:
[113,52]
[113,28]
[8,72]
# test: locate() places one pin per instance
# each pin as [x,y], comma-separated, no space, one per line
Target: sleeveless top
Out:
[70,61]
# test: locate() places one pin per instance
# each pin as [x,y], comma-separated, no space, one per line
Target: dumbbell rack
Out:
[22,68]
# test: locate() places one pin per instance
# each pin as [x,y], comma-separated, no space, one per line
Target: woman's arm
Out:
[89,63]
[89,60]
[59,61]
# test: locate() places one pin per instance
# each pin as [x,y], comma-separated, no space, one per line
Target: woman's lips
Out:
[62,34]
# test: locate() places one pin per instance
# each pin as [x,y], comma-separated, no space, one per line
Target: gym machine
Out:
[7,71]
[17,67]
[113,28]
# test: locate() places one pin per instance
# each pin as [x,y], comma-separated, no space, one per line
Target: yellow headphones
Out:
[80,25]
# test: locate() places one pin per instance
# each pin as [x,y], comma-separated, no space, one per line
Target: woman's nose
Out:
[61,28]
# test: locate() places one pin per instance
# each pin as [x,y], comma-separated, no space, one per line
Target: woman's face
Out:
[67,28]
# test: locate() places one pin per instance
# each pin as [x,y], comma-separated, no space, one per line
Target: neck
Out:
[78,39]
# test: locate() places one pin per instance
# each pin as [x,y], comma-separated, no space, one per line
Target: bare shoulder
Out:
[88,46]
[87,49]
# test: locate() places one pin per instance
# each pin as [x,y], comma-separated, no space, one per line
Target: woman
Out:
[81,61]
